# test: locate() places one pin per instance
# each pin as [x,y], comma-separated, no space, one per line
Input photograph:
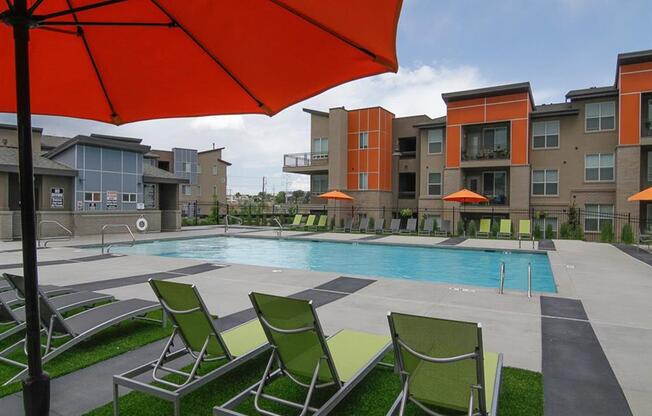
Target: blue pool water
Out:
[452,266]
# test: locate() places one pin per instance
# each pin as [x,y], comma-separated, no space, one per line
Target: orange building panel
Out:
[353,121]
[352,181]
[630,112]
[522,96]
[643,66]
[507,111]
[453,146]
[364,120]
[374,139]
[519,142]
[635,82]
[468,115]
[372,181]
[374,119]
[374,160]
[465,103]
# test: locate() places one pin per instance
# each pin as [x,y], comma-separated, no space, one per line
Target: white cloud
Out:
[255,144]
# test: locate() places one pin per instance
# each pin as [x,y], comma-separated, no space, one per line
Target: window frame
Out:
[129,195]
[434,184]
[597,215]
[366,181]
[321,154]
[440,142]
[187,167]
[214,170]
[184,187]
[545,183]
[313,182]
[649,166]
[363,140]
[600,167]
[93,194]
[545,135]
[600,116]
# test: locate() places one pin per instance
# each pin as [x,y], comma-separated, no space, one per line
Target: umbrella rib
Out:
[73,10]
[114,115]
[214,58]
[79,24]
[333,33]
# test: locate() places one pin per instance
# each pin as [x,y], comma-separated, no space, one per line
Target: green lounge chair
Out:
[485,228]
[296,223]
[442,364]
[310,222]
[505,229]
[201,341]
[303,353]
[322,224]
[525,230]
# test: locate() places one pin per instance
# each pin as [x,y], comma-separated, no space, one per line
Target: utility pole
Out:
[264,185]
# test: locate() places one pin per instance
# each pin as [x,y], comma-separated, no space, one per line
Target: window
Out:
[363,140]
[319,184]
[128,197]
[599,167]
[545,134]
[545,182]
[363,181]
[494,186]
[434,183]
[214,170]
[596,215]
[485,142]
[320,148]
[649,167]
[407,185]
[646,115]
[186,190]
[600,116]
[187,167]
[544,224]
[92,197]
[435,141]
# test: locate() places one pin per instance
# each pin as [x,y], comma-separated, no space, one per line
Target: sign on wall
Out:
[111,200]
[56,197]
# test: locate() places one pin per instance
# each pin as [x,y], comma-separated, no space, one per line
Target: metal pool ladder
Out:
[45,241]
[279,231]
[226,222]
[108,246]
[501,287]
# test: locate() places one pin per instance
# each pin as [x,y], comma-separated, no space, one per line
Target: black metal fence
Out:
[569,222]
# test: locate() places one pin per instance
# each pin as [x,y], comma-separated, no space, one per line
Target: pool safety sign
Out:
[56,198]
[111,200]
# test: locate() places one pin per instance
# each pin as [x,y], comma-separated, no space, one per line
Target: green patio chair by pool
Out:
[443,366]
[310,222]
[307,357]
[201,342]
[322,224]
[485,228]
[525,230]
[296,223]
[505,229]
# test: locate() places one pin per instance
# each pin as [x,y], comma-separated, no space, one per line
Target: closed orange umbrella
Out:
[645,195]
[465,196]
[337,195]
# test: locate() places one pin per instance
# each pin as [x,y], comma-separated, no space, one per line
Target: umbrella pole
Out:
[36,388]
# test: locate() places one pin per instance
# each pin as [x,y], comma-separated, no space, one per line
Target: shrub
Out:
[332,222]
[460,227]
[371,223]
[472,229]
[578,233]
[606,232]
[549,232]
[627,234]
[537,232]
[564,231]
[495,228]
[406,213]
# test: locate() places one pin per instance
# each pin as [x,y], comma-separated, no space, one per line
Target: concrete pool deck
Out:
[612,287]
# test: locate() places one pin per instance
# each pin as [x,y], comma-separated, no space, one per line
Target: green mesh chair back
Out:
[485,225]
[505,226]
[311,220]
[301,351]
[323,220]
[524,227]
[446,385]
[297,219]
[177,299]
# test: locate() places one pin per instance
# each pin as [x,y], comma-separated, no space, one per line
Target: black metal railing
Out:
[299,160]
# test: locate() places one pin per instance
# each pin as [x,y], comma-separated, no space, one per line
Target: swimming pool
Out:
[443,265]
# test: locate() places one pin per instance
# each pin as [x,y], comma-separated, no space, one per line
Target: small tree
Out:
[495,228]
[279,198]
[332,222]
[472,229]
[606,232]
[627,234]
[371,223]
[406,213]
[564,231]
[460,227]
[549,232]
[537,231]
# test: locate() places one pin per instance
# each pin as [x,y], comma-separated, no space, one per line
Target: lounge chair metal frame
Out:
[257,389]
[443,229]
[394,226]
[428,226]
[410,227]
[57,323]
[192,381]
[477,355]
[379,225]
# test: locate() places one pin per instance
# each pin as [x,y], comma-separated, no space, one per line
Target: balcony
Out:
[305,162]
[486,145]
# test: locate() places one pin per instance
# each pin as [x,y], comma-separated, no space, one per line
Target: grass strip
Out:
[521,394]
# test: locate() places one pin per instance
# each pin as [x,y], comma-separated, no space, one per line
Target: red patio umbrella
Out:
[126,60]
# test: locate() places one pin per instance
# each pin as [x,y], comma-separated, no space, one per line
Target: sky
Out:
[443,46]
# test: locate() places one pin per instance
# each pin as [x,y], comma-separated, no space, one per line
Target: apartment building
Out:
[205,172]
[592,150]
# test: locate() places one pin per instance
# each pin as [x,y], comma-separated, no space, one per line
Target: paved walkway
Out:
[613,288]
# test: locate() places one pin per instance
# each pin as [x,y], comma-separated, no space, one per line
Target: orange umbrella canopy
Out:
[465,195]
[123,61]
[337,195]
[645,195]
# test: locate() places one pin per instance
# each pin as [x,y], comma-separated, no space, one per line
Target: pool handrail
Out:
[108,246]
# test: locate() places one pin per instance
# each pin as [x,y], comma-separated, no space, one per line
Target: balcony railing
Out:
[407,194]
[300,160]
[485,154]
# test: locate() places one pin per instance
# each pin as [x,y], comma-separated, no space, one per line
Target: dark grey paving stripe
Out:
[346,284]
[90,387]
[16,250]
[57,262]
[143,278]
[637,253]
[453,241]
[562,308]
[547,245]
[372,237]
[577,377]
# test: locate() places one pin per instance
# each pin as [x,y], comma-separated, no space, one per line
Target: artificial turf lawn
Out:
[521,394]
[116,340]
